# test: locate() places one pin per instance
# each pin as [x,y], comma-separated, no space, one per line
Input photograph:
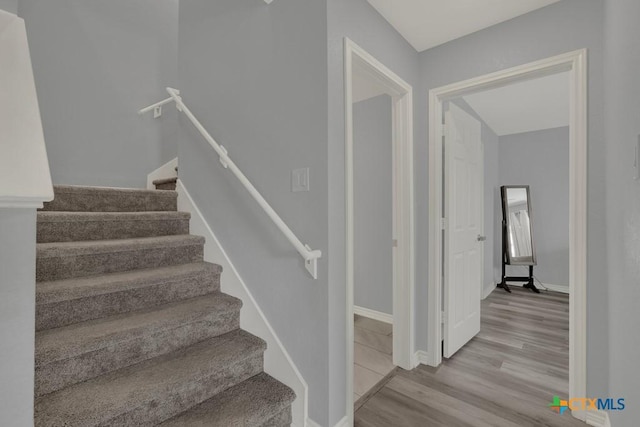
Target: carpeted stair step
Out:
[57,226]
[106,199]
[82,351]
[63,302]
[260,401]
[157,389]
[166,183]
[57,261]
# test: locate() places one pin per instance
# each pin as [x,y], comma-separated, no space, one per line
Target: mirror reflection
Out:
[516,205]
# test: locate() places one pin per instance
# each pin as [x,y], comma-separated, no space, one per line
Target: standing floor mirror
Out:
[517,235]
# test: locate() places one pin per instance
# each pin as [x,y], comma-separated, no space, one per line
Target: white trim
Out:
[22,202]
[403,207]
[598,418]
[168,170]
[487,289]
[563,289]
[344,422]
[422,357]
[550,286]
[483,246]
[277,361]
[373,314]
[26,182]
[576,63]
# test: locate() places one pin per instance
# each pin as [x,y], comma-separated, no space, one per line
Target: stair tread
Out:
[165,180]
[65,260]
[69,341]
[84,287]
[98,400]
[91,189]
[71,216]
[110,199]
[78,226]
[249,403]
[53,249]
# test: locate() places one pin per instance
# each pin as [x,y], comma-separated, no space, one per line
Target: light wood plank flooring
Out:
[372,354]
[506,376]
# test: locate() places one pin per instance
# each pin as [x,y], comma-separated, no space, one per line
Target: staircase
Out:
[132,329]
[166,183]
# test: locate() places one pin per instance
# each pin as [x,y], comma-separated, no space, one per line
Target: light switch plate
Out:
[300,180]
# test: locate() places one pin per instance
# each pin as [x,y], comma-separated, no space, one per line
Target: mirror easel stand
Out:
[505,261]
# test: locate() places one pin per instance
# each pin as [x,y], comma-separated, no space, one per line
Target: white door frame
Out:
[576,63]
[403,225]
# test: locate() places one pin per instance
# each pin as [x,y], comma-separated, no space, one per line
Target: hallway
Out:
[506,376]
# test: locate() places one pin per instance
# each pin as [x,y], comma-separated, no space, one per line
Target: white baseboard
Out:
[557,288]
[598,418]
[344,422]
[552,287]
[423,357]
[372,314]
[487,289]
[277,361]
[168,170]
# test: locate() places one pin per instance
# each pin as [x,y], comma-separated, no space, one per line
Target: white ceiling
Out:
[527,106]
[429,23]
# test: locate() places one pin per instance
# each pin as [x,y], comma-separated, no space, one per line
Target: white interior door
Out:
[463,212]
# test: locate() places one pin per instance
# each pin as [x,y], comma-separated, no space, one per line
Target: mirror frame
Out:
[529,260]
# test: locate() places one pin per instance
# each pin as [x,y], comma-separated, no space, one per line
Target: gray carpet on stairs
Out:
[63,302]
[77,226]
[165,184]
[69,198]
[132,327]
[65,260]
[257,401]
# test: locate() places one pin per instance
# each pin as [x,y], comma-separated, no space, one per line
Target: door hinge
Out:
[394,242]
[442,317]
[443,223]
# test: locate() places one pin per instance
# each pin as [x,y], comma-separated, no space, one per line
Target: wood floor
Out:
[506,376]
[371,354]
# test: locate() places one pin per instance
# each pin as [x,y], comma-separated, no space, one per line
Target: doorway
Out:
[575,64]
[401,245]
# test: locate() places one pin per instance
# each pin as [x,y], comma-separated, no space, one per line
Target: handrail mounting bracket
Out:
[223,162]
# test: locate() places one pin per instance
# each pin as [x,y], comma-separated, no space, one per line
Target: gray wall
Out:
[9,6]
[96,63]
[17,315]
[357,20]
[256,76]
[540,159]
[373,208]
[556,29]
[622,127]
